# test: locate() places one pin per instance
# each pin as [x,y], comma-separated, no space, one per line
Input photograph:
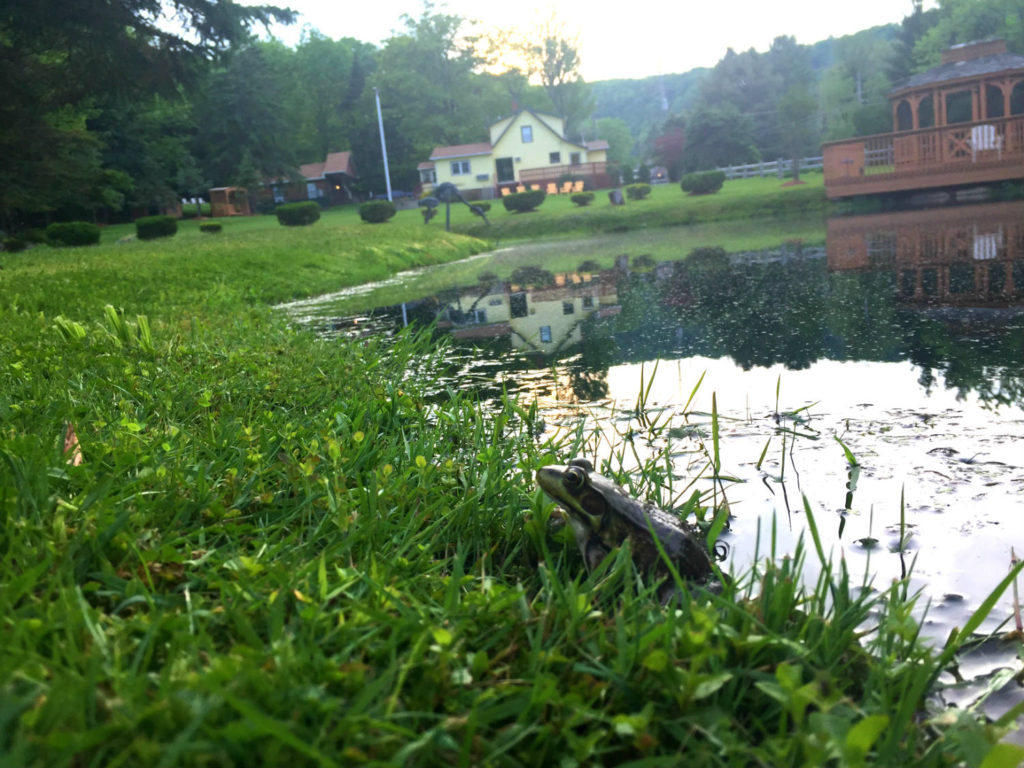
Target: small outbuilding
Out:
[229,201]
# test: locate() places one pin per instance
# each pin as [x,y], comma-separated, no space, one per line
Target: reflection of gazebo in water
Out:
[969,255]
[229,201]
[961,122]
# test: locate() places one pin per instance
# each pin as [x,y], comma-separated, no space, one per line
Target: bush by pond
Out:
[73,233]
[152,227]
[638,191]
[297,214]
[211,227]
[582,198]
[703,182]
[522,202]
[376,211]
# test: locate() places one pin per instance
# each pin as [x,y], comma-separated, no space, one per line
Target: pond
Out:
[902,336]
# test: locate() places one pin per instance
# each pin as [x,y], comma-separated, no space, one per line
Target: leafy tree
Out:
[189,180]
[58,56]
[854,88]
[145,139]
[328,79]
[620,140]
[716,136]
[238,117]
[960,21]
[668,146]
[554,57]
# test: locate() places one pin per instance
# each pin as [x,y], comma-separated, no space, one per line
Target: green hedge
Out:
[71,233]
[703,183]
[376,211]
[152,227]
[638,191]
[210,227]
[583,198]
[521,202]
[14,244]
[297,214]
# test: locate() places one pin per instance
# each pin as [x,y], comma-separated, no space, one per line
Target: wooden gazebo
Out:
[961,122]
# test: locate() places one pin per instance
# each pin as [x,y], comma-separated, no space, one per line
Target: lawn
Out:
[225,542]
[667,206]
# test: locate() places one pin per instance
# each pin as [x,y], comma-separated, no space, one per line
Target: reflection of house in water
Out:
[545,320]
[972,255]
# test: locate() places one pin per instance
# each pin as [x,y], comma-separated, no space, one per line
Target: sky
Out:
[619,38]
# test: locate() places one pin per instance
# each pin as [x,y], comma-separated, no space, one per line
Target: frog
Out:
[603,516]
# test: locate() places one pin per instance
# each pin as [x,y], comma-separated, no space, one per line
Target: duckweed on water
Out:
[276,550]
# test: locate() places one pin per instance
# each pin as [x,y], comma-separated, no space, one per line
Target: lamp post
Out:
[383,144]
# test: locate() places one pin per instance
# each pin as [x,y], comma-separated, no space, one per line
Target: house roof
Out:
[424,166]
[971,67]
[539,117]
[312,171]
[461,150]
[339,162]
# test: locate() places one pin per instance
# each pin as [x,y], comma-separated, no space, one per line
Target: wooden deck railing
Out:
[555,172]
[965,153]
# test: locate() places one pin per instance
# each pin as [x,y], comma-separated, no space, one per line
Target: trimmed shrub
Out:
[14,244]
[376,211]
[152,227]
[638,191]
[588,265]
[703,183]
[297,214]
[210,227]
[483,205]
[582,198]
[532,275]
[72,233]
[521,202]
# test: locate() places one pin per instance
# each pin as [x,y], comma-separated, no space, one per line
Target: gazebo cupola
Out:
[975,82]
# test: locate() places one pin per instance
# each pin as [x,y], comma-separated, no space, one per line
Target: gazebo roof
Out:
[974,59]
[955,70]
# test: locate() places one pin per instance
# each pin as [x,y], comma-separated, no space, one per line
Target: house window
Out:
[312,191]
[588,302]
[545,334]
[428,176]
[574,158]
[278,194]
[527,133]
[460,167]
[567,308]
[555,158]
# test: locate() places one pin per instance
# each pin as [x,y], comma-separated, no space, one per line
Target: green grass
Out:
[277,550]
[667,206]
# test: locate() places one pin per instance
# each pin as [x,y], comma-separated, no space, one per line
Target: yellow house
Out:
[526,149]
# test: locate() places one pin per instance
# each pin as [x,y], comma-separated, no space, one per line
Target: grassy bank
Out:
[267,550]
[667,206]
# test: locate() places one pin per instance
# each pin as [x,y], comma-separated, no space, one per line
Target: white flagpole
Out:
[383,144]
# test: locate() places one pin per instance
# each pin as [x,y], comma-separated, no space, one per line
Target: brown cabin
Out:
[961,122]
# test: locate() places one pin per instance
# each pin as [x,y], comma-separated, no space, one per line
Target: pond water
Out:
[902,336]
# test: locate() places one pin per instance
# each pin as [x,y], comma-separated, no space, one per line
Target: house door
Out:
[506,172]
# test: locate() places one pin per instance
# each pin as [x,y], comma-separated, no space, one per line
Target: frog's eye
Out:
[582,463]
[575,478]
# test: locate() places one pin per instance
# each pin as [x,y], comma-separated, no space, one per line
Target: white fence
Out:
[780,168]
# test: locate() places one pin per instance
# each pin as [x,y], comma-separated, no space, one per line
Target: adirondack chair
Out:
[552,188]
[577,186]
[983,139]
